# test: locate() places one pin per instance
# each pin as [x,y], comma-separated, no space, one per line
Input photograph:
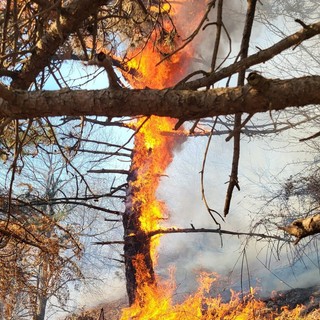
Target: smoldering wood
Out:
[303,227]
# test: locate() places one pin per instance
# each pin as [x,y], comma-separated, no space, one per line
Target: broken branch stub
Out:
[303,227]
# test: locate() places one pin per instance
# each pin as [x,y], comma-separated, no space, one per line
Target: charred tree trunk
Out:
[137,243]
[153,152]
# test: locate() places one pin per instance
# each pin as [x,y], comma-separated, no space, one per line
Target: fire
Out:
[155,302]
[153,152]
[153,149]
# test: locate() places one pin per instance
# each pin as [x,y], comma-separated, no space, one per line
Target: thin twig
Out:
[210,211]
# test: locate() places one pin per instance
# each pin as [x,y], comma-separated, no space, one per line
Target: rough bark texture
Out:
[274,95]
[303,227]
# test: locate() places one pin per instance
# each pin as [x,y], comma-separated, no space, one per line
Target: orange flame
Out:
[153,153]
[155,302]
[153,149]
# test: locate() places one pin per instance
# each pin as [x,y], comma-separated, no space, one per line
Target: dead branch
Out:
[218,35]
[218,231]
[204,198]
[117,171]
[254,59]
[103,243]
[233,181]
[310,137]
[188,104]
[303,227]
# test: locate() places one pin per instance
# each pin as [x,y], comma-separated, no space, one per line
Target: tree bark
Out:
[274,95]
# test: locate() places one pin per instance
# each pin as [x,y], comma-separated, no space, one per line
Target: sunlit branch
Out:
[190,105]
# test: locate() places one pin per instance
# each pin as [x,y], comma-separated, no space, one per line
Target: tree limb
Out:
[190,105]
[261,56]
[219,231]
[73,15]
[303,227]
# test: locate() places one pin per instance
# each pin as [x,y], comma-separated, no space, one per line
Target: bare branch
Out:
[103,243]
[261,56]
[117,171]
[234,181]
[304,227]
[218,231]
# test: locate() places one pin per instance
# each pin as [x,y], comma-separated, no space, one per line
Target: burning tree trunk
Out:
[153,152]
[137,243]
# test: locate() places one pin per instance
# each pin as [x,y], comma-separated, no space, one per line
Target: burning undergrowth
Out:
[300,303]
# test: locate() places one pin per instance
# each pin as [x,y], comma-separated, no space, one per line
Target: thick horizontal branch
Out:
[219,231]
[274,95]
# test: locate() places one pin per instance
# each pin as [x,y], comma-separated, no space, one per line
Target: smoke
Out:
[262,166]
[189,17]
[113,289]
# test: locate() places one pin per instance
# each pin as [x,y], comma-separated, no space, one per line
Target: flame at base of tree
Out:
[149,296]
[152,154]
[155,301]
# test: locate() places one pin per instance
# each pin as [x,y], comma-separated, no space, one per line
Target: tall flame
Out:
[153,152]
